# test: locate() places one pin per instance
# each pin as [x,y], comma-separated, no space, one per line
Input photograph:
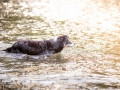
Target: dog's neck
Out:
[55,39]
[59,46]
[55,45]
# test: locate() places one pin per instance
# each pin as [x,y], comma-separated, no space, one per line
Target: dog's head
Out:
[63,40]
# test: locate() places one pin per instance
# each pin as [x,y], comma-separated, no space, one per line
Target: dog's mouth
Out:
[69,45]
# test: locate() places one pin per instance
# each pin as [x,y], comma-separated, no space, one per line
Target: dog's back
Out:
[26,47]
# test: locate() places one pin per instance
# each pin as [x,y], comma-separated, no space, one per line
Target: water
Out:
[93,63]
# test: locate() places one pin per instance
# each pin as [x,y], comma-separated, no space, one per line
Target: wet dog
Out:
[29,47]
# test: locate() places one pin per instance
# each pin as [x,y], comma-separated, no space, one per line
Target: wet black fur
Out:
[39,47]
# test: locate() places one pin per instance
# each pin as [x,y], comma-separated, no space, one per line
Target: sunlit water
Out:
[93,63]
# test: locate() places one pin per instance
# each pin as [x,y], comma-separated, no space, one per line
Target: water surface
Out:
[94,61]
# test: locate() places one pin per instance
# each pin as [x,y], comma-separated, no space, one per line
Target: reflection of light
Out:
[91,13]
[65,9]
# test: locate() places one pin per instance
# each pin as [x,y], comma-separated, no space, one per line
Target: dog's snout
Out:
[72,44]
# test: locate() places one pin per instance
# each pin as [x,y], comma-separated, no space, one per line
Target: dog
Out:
[50,46]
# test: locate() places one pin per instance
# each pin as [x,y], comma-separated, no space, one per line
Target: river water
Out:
[92,64]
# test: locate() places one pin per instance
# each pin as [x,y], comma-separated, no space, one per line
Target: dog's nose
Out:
[72,44]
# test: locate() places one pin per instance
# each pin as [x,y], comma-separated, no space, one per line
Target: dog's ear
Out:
[62,38]
[65,36]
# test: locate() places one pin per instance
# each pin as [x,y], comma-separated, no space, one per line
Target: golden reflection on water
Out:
[92,25]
